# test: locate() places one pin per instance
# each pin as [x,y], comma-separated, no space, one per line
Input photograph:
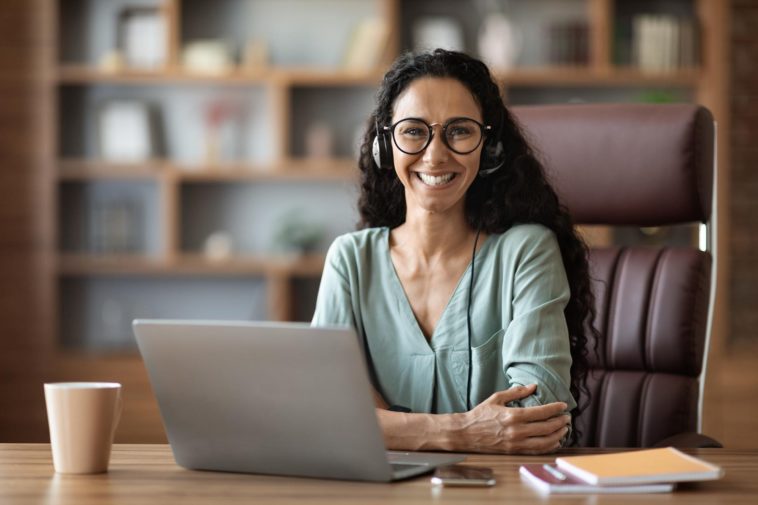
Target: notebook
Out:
[639,467]
[271,398]
[548,479]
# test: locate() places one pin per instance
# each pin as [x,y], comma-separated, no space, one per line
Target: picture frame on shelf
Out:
[142,37]
[125,131]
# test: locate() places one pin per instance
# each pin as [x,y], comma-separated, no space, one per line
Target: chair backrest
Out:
[638,165]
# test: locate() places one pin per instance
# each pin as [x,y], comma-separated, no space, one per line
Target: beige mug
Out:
[82,417]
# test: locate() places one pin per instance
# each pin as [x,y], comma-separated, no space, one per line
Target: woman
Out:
[467,283]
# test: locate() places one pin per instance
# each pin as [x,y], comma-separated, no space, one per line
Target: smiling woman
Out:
[435,175]
[467,283]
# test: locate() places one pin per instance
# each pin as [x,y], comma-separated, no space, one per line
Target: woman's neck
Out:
[431,237]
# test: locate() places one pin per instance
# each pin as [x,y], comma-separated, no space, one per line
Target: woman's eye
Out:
[413,132]
[459,131]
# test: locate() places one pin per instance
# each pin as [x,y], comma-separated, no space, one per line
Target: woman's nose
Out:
[436,152]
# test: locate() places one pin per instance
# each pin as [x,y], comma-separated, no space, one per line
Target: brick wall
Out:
[744,172]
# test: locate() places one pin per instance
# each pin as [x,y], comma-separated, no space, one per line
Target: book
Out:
[367,45]
[639,467]
[548,479]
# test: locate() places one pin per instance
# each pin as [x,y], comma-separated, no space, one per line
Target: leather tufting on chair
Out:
[639,165]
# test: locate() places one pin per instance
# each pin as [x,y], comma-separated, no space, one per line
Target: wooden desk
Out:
[141,474]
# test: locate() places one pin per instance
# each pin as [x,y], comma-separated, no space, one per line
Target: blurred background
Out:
[195,158]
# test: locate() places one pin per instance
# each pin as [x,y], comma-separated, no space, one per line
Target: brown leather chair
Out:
[639,165]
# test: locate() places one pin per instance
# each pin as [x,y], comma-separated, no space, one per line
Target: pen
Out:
[555,473]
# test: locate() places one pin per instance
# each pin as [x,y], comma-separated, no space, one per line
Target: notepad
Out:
[547,479]
[639,467]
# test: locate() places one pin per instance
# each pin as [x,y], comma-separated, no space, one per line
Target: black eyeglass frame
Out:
[483,129]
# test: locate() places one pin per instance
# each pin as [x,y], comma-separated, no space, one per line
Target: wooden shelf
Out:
[286,170]
[72,169]
[72,265]
[296,76]
[82,74]
[538,76]
[327,77]
[293,169]
[578,76]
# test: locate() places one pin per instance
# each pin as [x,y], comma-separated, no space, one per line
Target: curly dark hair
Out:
[516,193]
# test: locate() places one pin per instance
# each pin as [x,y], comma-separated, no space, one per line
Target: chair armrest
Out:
[689,439]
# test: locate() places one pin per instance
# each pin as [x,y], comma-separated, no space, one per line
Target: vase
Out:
[499,42]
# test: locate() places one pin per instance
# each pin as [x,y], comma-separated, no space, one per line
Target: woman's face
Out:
[437,178]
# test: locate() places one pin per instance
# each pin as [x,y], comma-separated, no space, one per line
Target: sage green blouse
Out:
[518,330]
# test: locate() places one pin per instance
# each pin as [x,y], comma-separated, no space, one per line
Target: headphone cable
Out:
[468,322]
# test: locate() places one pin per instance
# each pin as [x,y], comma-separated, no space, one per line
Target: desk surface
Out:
[141,474]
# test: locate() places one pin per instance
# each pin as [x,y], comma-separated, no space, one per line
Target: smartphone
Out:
[462,475]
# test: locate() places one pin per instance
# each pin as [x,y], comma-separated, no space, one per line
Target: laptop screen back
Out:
[274,398]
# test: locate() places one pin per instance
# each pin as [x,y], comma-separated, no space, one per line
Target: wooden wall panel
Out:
[744,172]
[25,228]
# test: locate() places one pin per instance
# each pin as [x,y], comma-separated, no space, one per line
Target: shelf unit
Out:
[283,96]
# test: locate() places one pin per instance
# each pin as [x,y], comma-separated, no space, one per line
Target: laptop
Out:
[271,398]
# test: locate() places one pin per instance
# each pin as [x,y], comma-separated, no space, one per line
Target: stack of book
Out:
[569,43]
[645,471]
[663,43]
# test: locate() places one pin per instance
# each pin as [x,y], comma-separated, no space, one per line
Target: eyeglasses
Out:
[461,135]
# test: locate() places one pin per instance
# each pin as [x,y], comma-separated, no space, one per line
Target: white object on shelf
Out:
[112,61]
[207,57]
[125,131]
[430,33]
[142,33]
[218,246]
[499,42]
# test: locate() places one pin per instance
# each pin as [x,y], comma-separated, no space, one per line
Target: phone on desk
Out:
[462,475]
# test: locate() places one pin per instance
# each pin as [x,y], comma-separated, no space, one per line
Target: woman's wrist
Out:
[423,432]
[444,432]
[455,439]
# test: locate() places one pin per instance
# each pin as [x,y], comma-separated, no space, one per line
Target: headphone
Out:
[381,149]
[492,153]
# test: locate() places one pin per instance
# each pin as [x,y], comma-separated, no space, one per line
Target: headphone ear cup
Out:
[375,152]
[493,158]
[382,152]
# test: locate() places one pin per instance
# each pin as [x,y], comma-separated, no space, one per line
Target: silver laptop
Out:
[271,398]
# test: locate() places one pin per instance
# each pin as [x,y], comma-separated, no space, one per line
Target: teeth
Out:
[435,180]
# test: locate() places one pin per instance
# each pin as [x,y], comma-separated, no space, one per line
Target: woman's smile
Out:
[436,180]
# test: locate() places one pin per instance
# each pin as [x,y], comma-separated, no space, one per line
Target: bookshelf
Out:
[184,196]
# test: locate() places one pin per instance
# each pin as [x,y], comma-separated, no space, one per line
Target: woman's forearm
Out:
[421,432]
[490,427]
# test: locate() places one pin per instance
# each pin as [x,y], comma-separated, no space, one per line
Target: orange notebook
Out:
[639,467]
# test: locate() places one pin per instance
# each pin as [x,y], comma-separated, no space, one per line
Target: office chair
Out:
[639,165]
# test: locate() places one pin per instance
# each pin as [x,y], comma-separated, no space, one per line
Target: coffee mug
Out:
[82,417]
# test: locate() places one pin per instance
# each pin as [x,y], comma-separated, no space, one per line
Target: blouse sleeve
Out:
[536,345]
[334,304]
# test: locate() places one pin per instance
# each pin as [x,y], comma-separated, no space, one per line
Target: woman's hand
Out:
[493,427]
